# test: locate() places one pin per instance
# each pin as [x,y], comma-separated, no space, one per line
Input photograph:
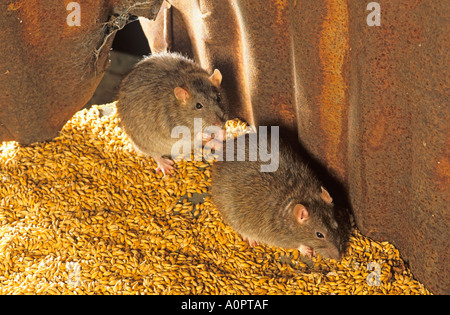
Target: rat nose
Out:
[222,115]
[225,116]
[335,253]
[330,252]
[220,120]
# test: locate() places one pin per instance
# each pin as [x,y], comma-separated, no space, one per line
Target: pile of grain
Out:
[83,214]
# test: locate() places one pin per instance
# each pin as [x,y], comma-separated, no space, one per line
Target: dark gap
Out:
[129,46]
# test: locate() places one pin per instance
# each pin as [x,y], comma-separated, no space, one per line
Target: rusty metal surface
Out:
[159,32]
[48,69]
[368,103]
[398,163]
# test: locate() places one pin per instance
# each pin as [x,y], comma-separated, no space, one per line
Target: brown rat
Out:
[164,91]
[288,208]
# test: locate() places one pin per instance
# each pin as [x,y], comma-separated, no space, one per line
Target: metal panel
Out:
[48,69]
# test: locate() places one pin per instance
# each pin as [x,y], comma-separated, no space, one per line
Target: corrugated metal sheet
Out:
[48,69]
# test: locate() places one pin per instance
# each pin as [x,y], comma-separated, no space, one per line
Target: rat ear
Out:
[181,94]
[326,196]
[301,213]
[216,78]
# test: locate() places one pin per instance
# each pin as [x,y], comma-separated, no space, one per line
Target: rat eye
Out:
[320,235]
[199,106]
[218,98]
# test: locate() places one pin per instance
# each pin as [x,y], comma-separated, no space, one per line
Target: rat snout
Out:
[221,119]
[330,252]
[221,116]
[335,253]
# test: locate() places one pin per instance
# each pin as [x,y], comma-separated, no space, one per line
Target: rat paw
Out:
[307,251]
[214,144]
[212,140]
[164,165]
[251,243]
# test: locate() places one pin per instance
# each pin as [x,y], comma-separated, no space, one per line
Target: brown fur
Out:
[149,109]
[260,206]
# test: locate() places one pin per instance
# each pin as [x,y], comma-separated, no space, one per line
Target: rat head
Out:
[202,98]
[318,227]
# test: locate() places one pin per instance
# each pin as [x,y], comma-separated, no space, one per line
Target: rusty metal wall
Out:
[48,69]
[368,103]
[399,139]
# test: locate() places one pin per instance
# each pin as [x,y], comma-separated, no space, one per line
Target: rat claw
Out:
[307,251]
[164,166]
[165,170]
[251,243]
[214,144]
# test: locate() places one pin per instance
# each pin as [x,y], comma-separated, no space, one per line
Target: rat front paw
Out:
[213,140]
[307,251]
[251,243]
[164,165]
[214,144]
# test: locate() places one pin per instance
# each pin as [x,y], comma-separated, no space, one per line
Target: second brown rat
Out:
[288,208]
[162,92]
